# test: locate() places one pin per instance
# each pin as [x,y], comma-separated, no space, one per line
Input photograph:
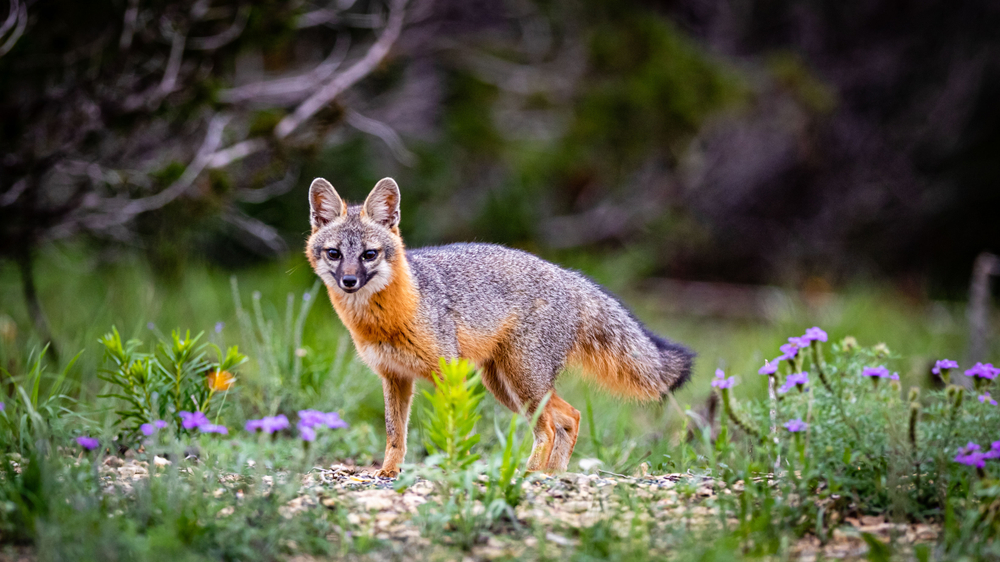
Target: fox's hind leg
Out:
[545,436]
[566,423]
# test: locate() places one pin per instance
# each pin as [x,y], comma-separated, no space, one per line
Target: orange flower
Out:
[220,380]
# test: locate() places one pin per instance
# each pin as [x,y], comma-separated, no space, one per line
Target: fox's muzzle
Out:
[351,278]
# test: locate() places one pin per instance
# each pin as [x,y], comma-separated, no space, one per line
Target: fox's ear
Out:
[382,205]
[324,203]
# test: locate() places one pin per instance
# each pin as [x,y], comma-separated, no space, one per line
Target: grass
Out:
[301,357]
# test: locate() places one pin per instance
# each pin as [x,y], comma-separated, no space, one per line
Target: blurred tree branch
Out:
[114,113]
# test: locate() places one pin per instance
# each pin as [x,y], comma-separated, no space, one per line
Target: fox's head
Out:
[354,248]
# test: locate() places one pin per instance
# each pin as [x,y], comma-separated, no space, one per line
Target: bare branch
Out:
[331,18]
[263,232]
[383,131]
[213,138]
[22,22]
[376,53]
[169,81]
[292,87]
[317,17]
[224,38]
[280,187]
[16,190]
[12,17]
[238,151]
[128,26]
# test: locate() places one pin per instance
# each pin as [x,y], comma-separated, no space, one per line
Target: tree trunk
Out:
[35,312]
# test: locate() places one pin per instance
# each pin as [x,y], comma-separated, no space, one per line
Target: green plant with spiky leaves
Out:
[451,414]
[178,377]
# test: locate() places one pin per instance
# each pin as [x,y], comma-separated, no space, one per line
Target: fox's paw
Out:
[389,472]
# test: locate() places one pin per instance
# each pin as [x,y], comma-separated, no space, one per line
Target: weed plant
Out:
[842,440]
[475,497]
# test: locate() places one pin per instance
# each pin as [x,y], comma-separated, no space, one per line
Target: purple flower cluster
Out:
[721,381]
[191,420]
[983,371]
[268,424]
[879,372]
[944,365]
[795,343]
[148,429]
[796,425]
[313,418]
[973,455]
[984,398]
[788,352]
[88,443]
[815,334]
[309,420]
[768,368]
[794,379]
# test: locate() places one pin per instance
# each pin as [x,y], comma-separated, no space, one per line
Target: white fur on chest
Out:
[384,358]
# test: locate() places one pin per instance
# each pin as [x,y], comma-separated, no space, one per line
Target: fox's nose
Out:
[349,281]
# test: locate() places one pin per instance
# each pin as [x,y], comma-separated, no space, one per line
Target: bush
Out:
[840,440]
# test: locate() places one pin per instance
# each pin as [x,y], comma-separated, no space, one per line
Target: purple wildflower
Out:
[721,381]
[879,372]
[193,420]
[313,418]
[150,428]
[1,406]
[994,452]
[796,425]
[793,380]
[971,455]
[88,443]
[983,371]
[269,424]
[219,326]
[799,378]
[800,341]
[306,432]
[769,368]
[943,365]
[984,398]
[815,334]
[788,351]
[213,428]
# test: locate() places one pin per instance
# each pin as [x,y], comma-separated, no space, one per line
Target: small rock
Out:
[113,462]
[160,461]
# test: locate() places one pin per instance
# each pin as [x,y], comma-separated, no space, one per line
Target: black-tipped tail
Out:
[677,360]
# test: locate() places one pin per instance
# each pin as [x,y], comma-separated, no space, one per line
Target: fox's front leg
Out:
[398,392]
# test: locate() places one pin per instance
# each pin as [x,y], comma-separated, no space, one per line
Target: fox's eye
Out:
[333,254]
[369,255]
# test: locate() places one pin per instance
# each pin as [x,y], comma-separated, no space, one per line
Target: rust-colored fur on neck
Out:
[389,317]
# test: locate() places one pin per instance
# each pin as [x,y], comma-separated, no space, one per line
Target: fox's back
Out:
[487,289]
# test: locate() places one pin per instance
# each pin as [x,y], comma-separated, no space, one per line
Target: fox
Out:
[520,319]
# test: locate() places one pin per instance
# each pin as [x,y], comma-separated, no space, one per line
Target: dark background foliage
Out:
[768,141]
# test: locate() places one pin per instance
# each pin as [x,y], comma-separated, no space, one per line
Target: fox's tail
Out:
[626,357]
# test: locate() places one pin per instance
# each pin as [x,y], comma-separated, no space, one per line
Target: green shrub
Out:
[178,377]
[843,441]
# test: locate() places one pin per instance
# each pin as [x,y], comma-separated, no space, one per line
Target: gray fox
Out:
[519,318]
